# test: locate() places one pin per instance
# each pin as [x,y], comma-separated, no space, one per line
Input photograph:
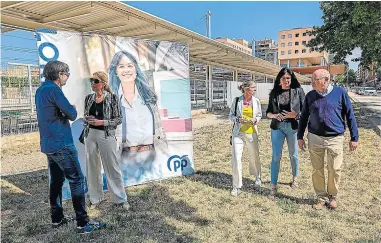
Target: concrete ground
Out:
[372,105]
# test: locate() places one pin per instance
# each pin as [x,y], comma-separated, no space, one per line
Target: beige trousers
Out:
[317,147]
[98,147]
[251,141]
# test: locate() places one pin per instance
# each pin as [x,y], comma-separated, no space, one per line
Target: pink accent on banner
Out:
[177,125]
[163,113]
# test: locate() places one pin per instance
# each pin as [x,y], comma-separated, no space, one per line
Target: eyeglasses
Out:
[95,81]
[317,79]
[67,74]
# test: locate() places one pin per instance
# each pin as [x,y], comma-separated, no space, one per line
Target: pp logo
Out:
[177,162]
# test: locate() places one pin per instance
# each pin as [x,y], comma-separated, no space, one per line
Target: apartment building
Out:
[238,44]
[266,49]
[365,76]
[293,53]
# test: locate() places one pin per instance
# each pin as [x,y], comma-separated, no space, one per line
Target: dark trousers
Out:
[64,163]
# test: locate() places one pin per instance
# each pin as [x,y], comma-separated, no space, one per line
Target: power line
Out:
[18,49]
[198,22]
[202,18]
[24,38]
[19,59]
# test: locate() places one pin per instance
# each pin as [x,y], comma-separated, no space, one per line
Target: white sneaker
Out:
[126,206]
[236,191]
[257,183]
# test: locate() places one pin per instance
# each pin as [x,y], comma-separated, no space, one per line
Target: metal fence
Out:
[19,83]
[199,91]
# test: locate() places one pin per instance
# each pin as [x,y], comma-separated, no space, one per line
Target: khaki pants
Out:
[317,146]
[251,141]
[97,147]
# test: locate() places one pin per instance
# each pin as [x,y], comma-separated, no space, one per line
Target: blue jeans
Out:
[64,163]
[277,139]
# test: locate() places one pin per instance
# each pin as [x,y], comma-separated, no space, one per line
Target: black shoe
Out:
[91,226]
[65,220]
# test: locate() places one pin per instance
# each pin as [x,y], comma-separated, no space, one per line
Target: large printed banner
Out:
[162,66]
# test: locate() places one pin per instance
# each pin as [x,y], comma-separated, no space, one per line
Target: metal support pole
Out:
[194,92]
[225,92]
[235,75]
[210,89]
[30,88]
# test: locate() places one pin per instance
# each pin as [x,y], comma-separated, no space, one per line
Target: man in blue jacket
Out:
[53,113]
[325,110]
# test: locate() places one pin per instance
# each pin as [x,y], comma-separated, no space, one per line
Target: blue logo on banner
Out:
[46,59]
[41,54]
[176,162]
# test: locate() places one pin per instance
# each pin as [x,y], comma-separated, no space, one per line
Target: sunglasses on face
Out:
[95,81]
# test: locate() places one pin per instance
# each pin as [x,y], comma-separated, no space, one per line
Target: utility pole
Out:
[208,24]
[253,47]
[346,83]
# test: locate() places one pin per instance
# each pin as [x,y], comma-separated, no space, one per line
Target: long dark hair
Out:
[141,82]
[277,87]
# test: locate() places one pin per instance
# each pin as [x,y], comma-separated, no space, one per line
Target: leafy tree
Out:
[348,25]
[347,78]
[340,80]
[350,76]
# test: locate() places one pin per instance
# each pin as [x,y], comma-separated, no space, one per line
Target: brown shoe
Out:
[294,185]
[272,194]
[332,204]
[319,205]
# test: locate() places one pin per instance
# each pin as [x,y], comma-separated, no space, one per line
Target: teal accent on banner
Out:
[175,97]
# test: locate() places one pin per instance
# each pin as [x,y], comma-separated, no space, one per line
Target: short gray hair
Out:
[246,84]
[53,68]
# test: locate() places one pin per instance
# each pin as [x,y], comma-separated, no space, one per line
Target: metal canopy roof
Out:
[115,18]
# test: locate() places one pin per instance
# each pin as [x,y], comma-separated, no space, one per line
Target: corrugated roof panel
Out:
[116,18]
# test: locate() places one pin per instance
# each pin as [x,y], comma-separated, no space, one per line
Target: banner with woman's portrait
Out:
[151,79]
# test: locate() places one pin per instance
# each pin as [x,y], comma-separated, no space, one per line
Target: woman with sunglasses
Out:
[102,116]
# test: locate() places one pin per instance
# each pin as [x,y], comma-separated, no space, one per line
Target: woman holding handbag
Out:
[102,116]
[245,112]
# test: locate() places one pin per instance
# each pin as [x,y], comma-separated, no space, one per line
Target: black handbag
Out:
[235,114]
[82,137]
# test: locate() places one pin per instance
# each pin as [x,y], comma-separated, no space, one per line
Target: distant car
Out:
[357,90]
[369,91]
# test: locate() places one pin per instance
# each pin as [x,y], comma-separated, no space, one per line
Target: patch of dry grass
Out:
[199,208]
[21,153]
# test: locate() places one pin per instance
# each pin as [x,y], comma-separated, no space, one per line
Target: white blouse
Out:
[138,119]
